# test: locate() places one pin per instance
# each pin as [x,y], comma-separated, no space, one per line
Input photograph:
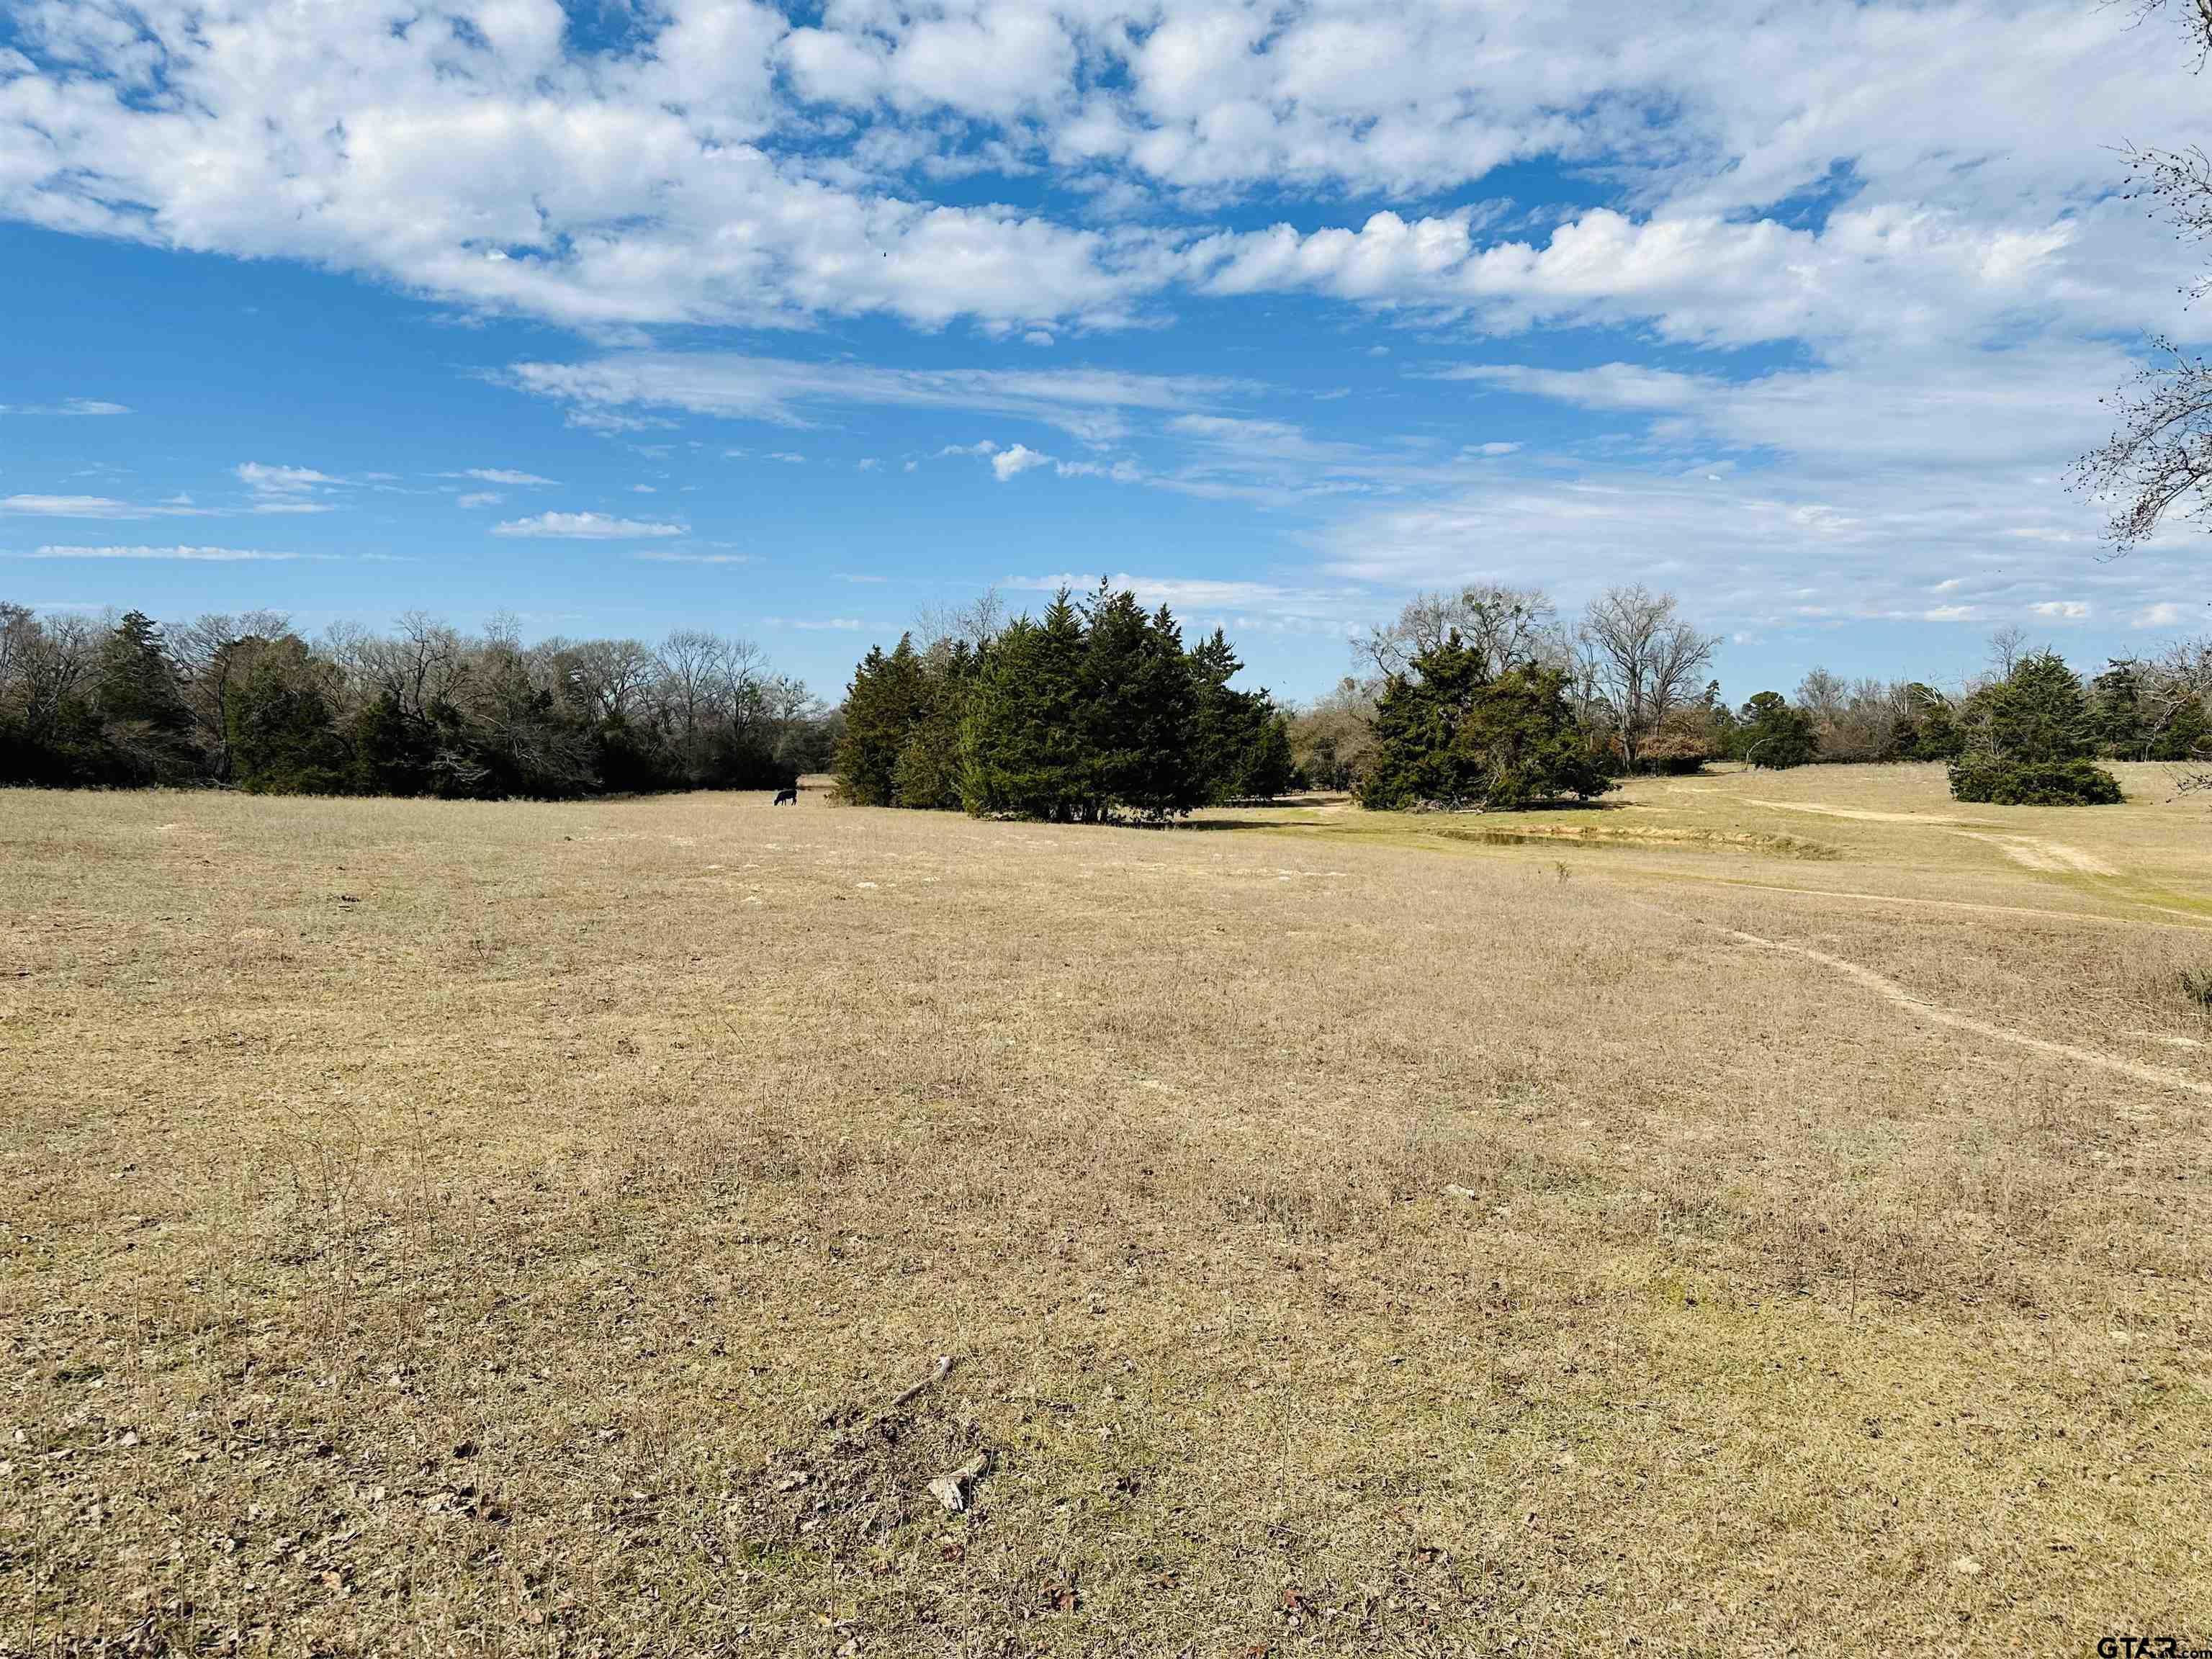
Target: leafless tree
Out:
[1643,660]
[2008,645]
[2195,17]
[1333,740]
[418,666]
[214,653]
[1507,625]
[1855,720]
[2159,454]
[43,662]
[974,624]
[611,677]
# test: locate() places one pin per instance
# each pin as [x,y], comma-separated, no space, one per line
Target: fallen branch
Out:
[944,1370]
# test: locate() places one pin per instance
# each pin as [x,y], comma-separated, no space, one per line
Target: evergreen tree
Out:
[1928,730]
[928,773]
[393,750]
[1221,722]
[2032,742]
[1770,733]
[1023,744]
[2036,714]
[1449,734]
[145,722]
[1269,767]
[284,733]
[2117,726]
[2186,735]
[884,704]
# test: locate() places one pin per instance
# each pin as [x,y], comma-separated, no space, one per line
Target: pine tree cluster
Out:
[1451,733]
[1092,711]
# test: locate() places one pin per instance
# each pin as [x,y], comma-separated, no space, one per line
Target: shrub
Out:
[2003,782]
[1770,733]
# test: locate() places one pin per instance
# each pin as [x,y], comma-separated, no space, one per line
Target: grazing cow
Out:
[783,795]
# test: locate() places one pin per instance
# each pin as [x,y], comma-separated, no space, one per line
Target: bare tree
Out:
[1643,661]
[1855,719]
[2196,16]
[612,676]
[1506,625]
[45,662]
[974,624]
[2159,454]
[214,654]
[2008,645]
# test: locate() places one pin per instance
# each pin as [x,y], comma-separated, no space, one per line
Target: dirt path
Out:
[2032,850]
[1865,814]
[2038,854]
[1892,991]
[2194,923]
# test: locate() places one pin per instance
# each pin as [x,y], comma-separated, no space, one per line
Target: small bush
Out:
[2030,783]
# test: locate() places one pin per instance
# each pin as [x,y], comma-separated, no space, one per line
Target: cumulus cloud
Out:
[586,527]
[1010,462]
[736,164]
[282,480]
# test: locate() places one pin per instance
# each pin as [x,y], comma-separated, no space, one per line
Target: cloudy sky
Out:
[787,321]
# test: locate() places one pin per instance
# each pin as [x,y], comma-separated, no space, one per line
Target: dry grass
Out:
[465,1229]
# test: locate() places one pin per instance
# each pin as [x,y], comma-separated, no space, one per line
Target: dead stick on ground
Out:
[944,1370]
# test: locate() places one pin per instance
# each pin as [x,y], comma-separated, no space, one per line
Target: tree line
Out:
[1098,708]
[425,710]
[1485,697]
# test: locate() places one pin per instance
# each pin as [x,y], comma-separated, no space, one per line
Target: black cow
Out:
[790,795]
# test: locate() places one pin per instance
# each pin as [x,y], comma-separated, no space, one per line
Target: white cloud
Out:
[817,624]
[1092,404]
[477,498]
[659,557]
[193,555]
[2061,609]
[68,406]
[1331,609]
[725,167]
[585,526]
[1007,462]
[282,480]
[92,507]
[500,476]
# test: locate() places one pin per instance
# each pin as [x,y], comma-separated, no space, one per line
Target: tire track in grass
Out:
[1892,992]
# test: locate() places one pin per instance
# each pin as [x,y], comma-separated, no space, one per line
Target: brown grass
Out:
[443,1228]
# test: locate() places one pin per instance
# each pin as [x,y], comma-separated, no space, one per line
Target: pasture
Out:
[1765,1213]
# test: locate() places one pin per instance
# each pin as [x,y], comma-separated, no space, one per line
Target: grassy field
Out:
[1766,1214]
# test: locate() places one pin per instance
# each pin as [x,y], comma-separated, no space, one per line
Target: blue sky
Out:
[791,321]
